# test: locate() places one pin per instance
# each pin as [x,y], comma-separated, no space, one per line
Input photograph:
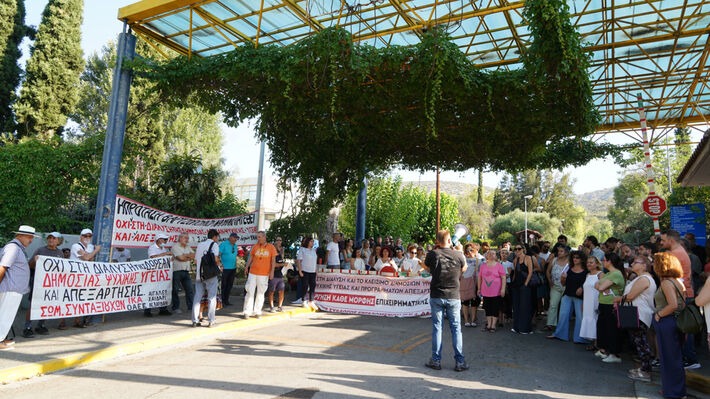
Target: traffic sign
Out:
[654,206]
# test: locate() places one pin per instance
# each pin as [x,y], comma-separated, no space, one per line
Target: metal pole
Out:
[525,199]
[259,186]
[650,178]
[361,212]
[438,200]
[113,144]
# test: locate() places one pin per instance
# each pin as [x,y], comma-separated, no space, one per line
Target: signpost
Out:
[654,206]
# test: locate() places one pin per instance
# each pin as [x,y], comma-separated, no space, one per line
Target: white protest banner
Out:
[372,295]
[72,288]
[136,225]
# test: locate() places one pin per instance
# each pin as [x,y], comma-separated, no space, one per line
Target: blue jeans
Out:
[182,277]
[453,313]
[568,306]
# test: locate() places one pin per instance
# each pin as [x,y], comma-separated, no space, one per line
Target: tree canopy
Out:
[12,31]
[332,111]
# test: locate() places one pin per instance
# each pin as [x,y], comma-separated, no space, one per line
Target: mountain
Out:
[597,203]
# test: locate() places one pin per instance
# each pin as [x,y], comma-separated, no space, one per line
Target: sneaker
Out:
[272,310]
[473,324]
[313,306]
[461,366]
[28,333]
[5,347]
[42,330]
[297,301]
[304,304]
[691,365]
[527,333]
[639,375]
[258,316]
[467,325]
[196,324]
[600,354]
[433,365]
[611,358]
[246,316]
[214,323]
[656,364]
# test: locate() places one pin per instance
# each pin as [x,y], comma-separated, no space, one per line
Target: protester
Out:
[259,270]
[558,266]
[356,261]
[491,286]
[228,252]
[346,253]
[83,250]
[671,241]
[590,302]
[446,266]
[571,304]
[183,256]
[120,254]
[14,279]
[609,286]
[332,253]
[385,260]
[306,263]
[506,313]
[591,243]
[158,250]
[669,300]
[523,297]
[640,292]
[54,239]
[276,283]
[470,298]
[210,285]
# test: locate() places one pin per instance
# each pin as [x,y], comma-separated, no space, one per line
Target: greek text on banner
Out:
[136,225]
[72,288]
[373,295]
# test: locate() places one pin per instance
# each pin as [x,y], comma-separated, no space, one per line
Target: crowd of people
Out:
[574,292]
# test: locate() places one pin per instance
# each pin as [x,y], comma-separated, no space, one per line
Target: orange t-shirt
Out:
[261,256]
[684,260]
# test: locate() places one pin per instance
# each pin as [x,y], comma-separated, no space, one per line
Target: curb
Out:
[71,361]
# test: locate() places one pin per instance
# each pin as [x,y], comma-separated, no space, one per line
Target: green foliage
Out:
[12,31]
[39,178]
[185,187]
[514,221]
[416,106]
[50,91]
[400,211]
[626,215]
[477,216]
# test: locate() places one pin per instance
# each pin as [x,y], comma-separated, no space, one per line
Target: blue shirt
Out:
[17,275]
[228,253]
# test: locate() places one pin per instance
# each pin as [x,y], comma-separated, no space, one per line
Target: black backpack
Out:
[208,265]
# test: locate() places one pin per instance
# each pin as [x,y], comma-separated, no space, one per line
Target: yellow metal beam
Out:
[303,15]
[136,12]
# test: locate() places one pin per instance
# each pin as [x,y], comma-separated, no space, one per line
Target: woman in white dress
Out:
[356,261]
[590,303]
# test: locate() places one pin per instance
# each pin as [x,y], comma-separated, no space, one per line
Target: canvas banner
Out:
[372,295]
[73,288]
[136,225]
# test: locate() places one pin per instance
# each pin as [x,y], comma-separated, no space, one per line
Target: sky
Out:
[242,154]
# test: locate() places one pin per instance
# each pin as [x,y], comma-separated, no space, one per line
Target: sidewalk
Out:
[122,334]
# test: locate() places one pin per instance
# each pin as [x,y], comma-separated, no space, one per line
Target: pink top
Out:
[491,279]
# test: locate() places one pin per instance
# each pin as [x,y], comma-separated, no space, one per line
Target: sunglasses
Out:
[518,248]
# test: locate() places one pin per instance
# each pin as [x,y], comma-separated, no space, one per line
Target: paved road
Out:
[323,355]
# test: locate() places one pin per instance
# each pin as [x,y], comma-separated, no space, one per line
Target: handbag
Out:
[689,320]
[535,280]
[627,316]
[208,265]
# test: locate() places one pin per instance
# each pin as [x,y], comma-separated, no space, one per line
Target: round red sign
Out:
[654,206]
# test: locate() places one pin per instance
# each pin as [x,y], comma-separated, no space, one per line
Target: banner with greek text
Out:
[136,225]
[72,288]
[372,295]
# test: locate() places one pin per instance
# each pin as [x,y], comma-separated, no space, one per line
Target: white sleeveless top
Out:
[644,302]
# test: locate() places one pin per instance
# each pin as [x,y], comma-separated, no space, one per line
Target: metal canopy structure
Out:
[658,48]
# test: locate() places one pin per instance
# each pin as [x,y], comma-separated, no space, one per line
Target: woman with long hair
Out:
[669,300]
[558,266]
[609,287]
[571,303]
[306,261]
[523,297]
[590,303]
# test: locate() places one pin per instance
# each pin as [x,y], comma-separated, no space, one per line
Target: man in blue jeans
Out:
[446,266]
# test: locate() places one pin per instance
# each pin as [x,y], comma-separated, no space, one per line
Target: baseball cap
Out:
[163,236]
[235,235]
[55,234]
[86,231]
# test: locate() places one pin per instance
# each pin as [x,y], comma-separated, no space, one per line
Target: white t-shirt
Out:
[89,248]
[333,254]
[154,250]
[509,266]
[308,258]
[121,256]
[359,264]
[200,251]
[411,265]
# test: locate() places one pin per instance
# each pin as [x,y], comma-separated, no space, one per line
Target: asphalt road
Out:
[325,355]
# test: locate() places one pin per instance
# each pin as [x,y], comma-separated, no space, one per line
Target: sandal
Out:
[491,330]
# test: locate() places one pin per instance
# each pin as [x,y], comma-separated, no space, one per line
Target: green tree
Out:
[50,91]
[400,211]
[626,215]
[185,187]
[12,31]
[477,216]
[513,222]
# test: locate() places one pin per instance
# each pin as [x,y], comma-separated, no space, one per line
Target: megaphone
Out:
[460,230]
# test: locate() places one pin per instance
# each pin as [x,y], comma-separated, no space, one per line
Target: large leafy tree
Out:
[50,90]
[475,214]
[12,31]
[399,210]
